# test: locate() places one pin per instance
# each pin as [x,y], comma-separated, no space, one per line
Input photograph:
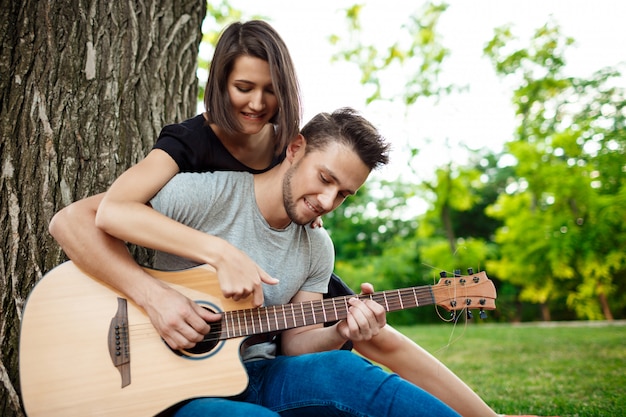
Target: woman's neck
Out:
[255,151]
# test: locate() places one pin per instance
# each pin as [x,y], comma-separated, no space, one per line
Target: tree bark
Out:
[85,87]
[606,308]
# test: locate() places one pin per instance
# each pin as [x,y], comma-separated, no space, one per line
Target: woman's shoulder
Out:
[188,127]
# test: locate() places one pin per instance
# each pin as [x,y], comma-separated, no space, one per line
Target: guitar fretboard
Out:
[249,322]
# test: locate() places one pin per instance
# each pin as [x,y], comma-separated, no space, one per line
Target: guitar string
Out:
[392,300]
[454,318]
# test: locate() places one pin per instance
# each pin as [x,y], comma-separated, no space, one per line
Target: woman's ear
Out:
[296,148]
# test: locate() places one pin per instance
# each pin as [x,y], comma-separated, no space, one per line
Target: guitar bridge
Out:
[119,347]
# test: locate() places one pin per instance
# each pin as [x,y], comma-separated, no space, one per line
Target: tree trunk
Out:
[545,312]
[606,309]
[85,87]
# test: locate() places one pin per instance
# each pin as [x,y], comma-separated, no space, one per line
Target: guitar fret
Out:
[400,298]
[293,315]
[324,311]
[276,318]
[245,322]
[415,296]
[239,324]
[335,309]
[231,324]
[386,302]
[303,315]
[285,317]
[224,327]
[313,313]
[260,320]
[252,323]
[267,317]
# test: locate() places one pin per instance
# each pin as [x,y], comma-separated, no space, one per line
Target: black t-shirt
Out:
[196,148]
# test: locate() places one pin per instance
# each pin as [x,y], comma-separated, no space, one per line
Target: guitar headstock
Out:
[473,291]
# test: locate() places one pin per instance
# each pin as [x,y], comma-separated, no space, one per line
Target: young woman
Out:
[252,111]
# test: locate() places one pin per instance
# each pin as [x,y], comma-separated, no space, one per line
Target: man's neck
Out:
[268,190]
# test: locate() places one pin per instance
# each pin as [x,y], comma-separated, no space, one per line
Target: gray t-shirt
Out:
[223,204]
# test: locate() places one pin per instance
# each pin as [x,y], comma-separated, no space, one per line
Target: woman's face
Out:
[251,93]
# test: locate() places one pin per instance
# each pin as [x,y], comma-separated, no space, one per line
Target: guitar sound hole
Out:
[208,344]
[210,341]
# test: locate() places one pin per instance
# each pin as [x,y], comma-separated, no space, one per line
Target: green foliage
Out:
[548,227]
[368,221]
[419,55]
[374,236]
[561,215]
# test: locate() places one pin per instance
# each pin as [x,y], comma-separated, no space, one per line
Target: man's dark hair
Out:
[348,127]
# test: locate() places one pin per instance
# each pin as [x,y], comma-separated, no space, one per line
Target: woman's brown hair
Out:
[258,39]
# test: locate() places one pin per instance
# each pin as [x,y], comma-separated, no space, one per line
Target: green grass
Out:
[567,369]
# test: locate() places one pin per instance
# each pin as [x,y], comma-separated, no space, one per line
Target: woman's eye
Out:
[243,89]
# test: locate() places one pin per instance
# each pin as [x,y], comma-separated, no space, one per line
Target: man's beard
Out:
[288,200]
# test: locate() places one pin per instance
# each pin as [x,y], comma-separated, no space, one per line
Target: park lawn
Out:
[569,369]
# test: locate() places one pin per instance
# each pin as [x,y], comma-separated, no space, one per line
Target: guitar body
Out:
[87,351]
[66,365]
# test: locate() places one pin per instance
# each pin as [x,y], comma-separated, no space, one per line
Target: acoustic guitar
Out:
[87,351]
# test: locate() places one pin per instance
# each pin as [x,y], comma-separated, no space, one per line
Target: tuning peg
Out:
[469,315]
[482,314]
[457,272]
[470,271]
[443,274]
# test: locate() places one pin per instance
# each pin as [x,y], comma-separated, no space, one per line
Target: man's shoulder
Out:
[201,184]
[318,236]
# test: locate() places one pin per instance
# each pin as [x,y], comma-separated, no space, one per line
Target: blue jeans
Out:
[337,383]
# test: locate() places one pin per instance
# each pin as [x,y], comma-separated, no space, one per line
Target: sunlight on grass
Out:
[567,370]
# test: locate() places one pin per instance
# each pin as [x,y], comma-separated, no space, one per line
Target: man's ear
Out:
[296,148]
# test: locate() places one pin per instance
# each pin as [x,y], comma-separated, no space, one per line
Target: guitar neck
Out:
[249,322]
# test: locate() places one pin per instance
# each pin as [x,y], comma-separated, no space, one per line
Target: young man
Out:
[255,225]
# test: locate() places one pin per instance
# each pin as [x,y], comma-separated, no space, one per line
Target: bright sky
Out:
[481,117]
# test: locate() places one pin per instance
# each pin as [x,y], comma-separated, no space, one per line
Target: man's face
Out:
[320,181]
